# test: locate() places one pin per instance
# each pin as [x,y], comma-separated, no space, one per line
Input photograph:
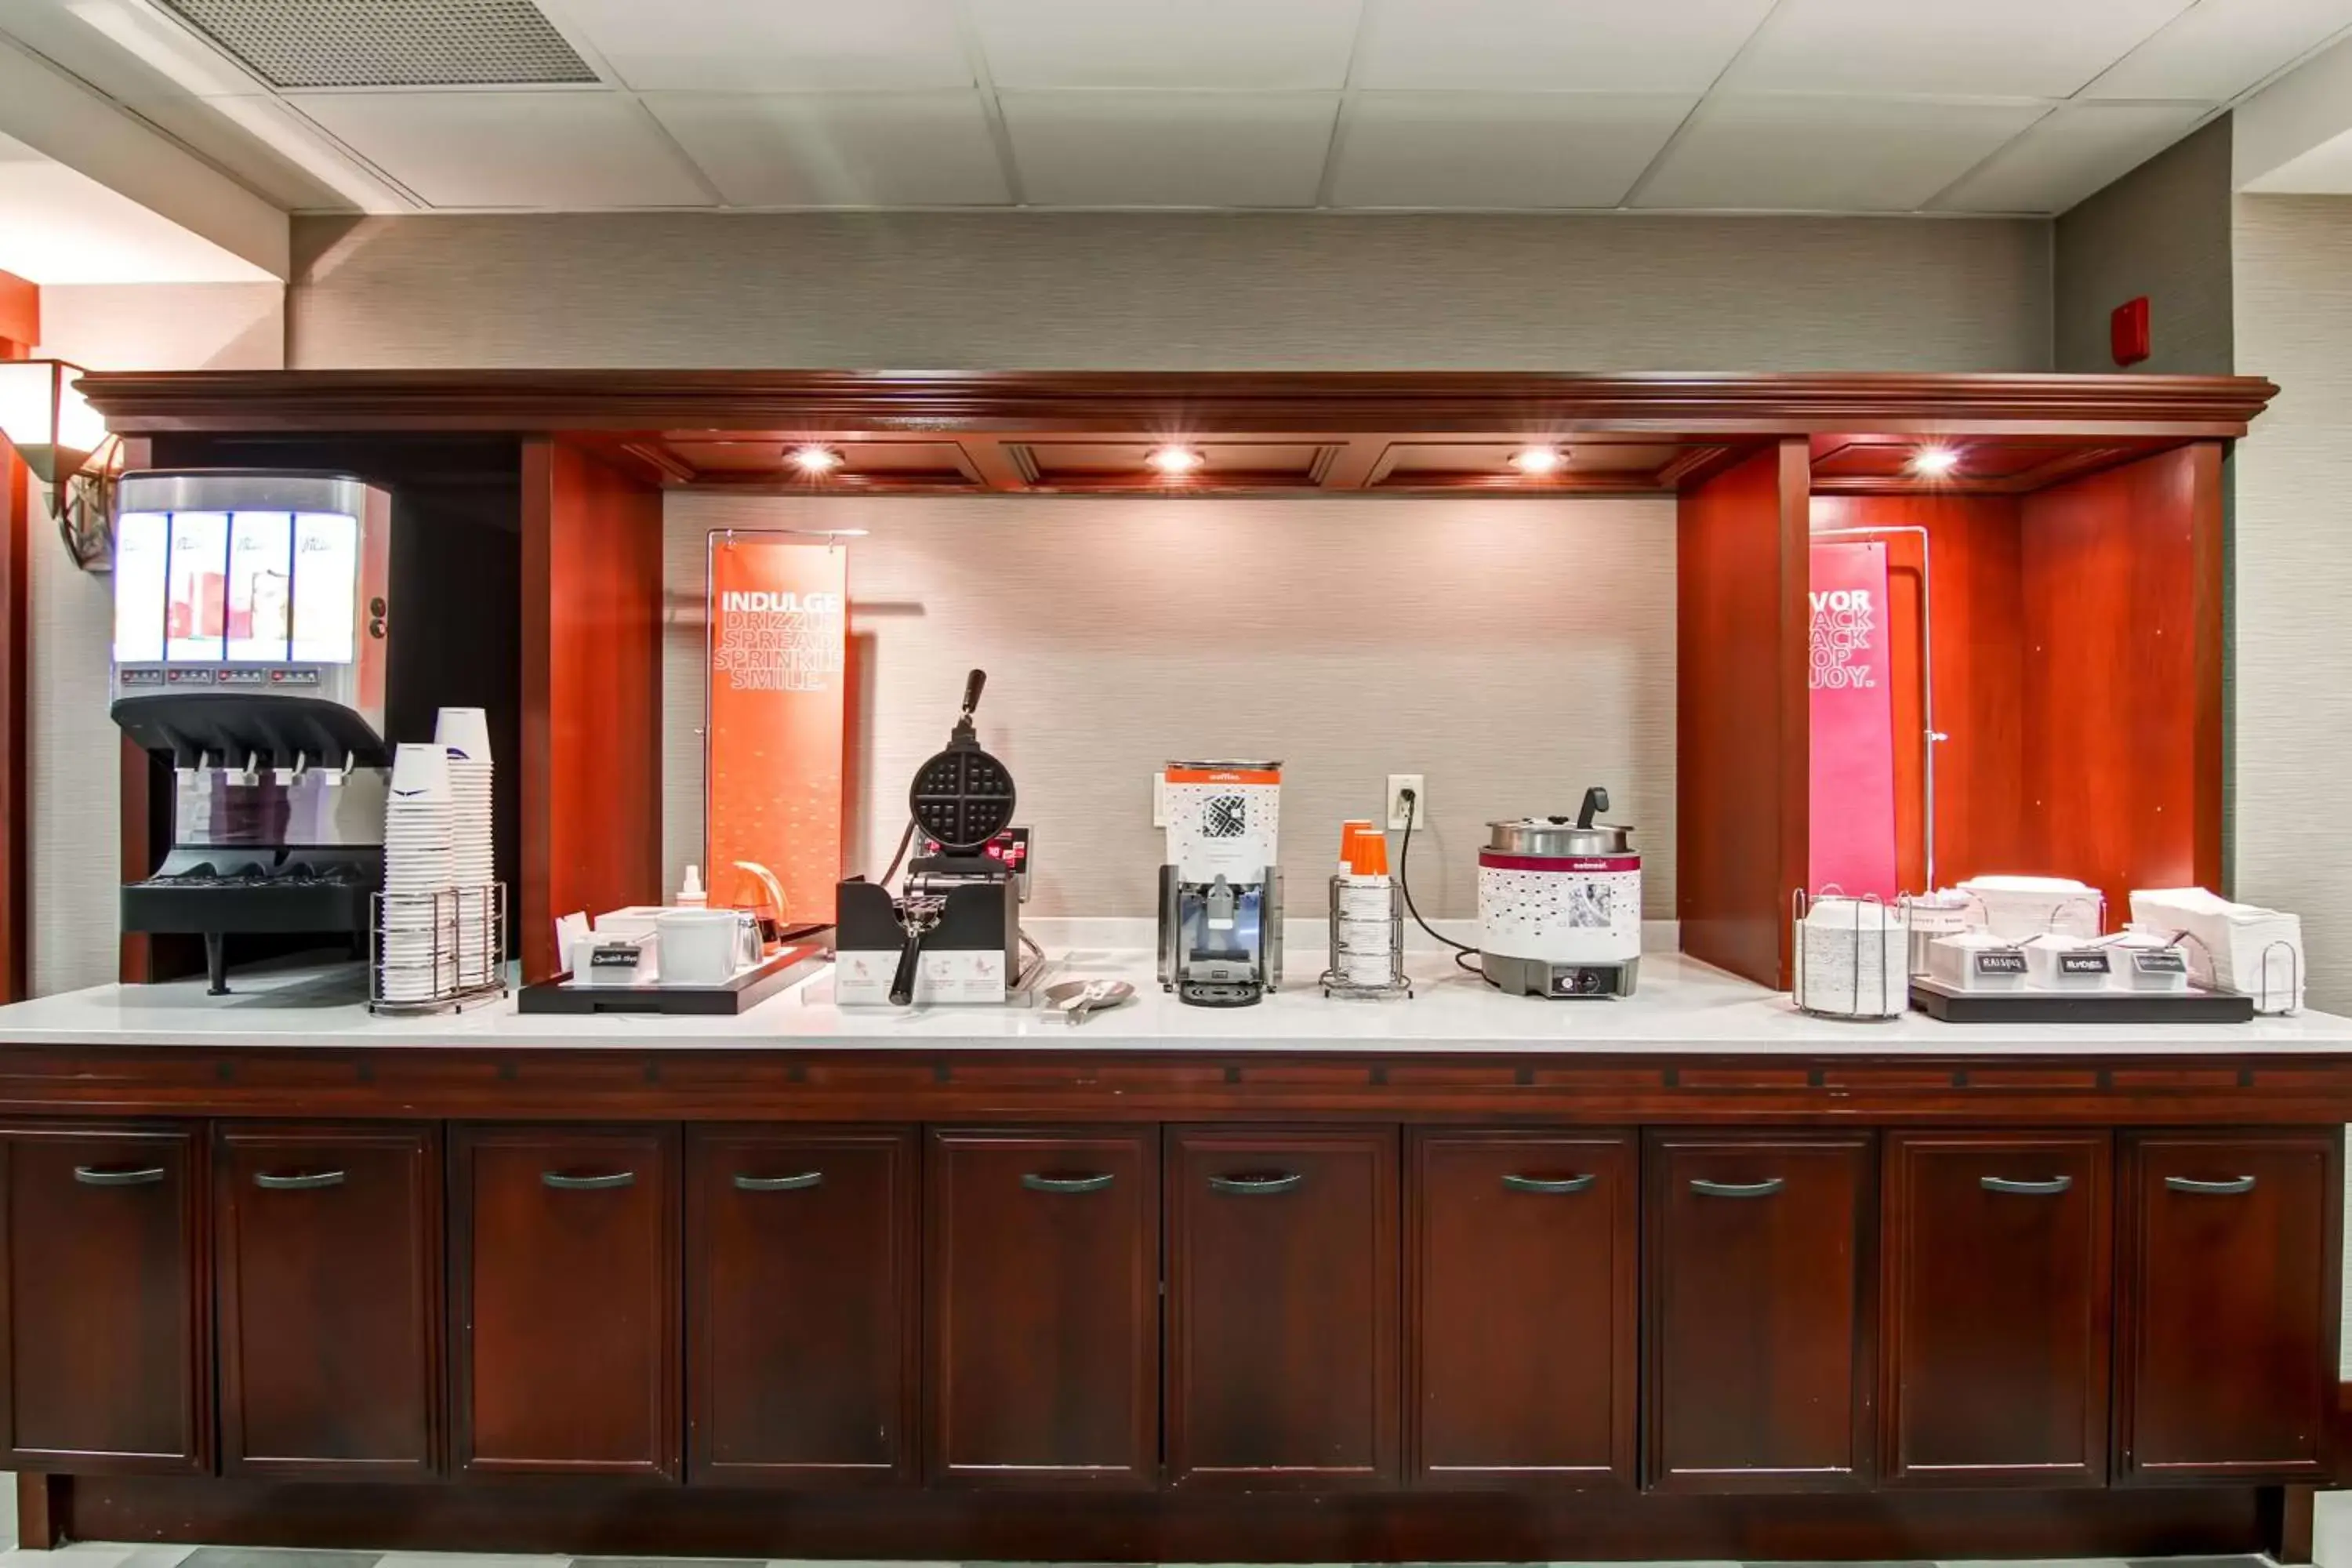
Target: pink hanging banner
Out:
[1853,714]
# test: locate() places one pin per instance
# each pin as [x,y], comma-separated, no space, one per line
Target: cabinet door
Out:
[1043,1323]
[110,1337]
[329,1288]
[1759,1318]
[1995,1287]
[1521,1296]
[565,1285]
[1282,1308]
[801,1305]
[2230,1280]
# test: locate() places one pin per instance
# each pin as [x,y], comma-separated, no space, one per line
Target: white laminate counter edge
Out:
[1682,1009]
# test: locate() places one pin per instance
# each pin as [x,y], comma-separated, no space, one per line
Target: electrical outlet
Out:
[1398,784]
[1158,798]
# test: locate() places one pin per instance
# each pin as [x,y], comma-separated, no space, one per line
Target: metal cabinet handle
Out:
[1550,1184]
[562,1182]
[1763,1189]
[2220,1189]
[95,1177]
[2042,1189]
[300,1182]
[1038,1183]
[801,1183]
[1257,1186]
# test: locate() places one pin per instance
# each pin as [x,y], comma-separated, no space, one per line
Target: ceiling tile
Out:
[774,45]
[2218,48]
[853,150]
[1615,47]
[1992,48]
[2077,149]
[1170,149]
[1798,153]
[1500,150]
[551,151]
[1229,44]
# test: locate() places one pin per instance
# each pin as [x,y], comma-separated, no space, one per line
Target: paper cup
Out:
[463,732]
[420,773]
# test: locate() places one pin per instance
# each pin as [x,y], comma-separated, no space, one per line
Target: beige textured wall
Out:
[2162,230]
[2293,576]
[1513,652]
[77,793]
[1232,291]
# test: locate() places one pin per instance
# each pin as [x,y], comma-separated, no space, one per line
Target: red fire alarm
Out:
[2128,330]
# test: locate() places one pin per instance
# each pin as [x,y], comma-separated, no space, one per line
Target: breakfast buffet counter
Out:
[1466,1276]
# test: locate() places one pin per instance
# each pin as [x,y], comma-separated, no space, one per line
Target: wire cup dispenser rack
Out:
[441,952]
[1366,949]
[1874,949]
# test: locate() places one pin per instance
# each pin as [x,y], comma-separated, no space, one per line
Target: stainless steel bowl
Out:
[1557,837]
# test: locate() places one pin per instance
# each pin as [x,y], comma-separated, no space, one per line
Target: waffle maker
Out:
[953,934]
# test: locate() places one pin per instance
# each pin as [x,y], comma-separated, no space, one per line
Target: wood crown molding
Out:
[1197,404]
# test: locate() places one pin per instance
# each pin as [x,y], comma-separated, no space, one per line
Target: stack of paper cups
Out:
[419,937]
[463,735]
[1366,937]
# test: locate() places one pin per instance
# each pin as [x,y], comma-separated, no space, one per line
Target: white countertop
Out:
[1681,1007]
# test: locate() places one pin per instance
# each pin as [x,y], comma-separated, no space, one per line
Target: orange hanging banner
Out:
[778,614]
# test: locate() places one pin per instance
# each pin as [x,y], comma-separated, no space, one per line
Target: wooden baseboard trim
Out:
[523,1516]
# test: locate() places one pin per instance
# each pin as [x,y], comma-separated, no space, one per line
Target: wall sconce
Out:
[64,442]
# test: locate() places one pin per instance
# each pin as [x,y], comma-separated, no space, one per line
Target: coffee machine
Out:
[1221,889]
[250,648]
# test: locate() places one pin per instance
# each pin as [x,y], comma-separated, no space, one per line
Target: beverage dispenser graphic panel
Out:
[249,615]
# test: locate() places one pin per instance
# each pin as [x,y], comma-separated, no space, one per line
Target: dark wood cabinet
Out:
[1042,1328]
[1283,1341]
[108,1364]
[1756,1292]
[2229,1278]
[802,1316]
[329,1261]
[1995,1289]
[1522,1295]
[564,1287]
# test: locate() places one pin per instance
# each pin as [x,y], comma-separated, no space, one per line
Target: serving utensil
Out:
[1074,999]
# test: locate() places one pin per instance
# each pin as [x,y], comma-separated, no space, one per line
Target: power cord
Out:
[1463,950]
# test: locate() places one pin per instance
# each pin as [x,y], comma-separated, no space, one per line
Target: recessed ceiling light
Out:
[1174,460]
[813,461]
[1537,461]
[1934,462]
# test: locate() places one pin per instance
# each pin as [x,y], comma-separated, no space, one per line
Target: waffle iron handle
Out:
[963,736]
[902,979]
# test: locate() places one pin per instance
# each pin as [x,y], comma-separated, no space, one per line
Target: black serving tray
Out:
[796,959]
[2193,1005]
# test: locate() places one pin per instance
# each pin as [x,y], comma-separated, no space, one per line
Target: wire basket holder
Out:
[1351,966]
[1889,976]
[420,960]
[2293,1003]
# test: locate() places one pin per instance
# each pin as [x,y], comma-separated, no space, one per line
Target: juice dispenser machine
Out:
[250,647]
